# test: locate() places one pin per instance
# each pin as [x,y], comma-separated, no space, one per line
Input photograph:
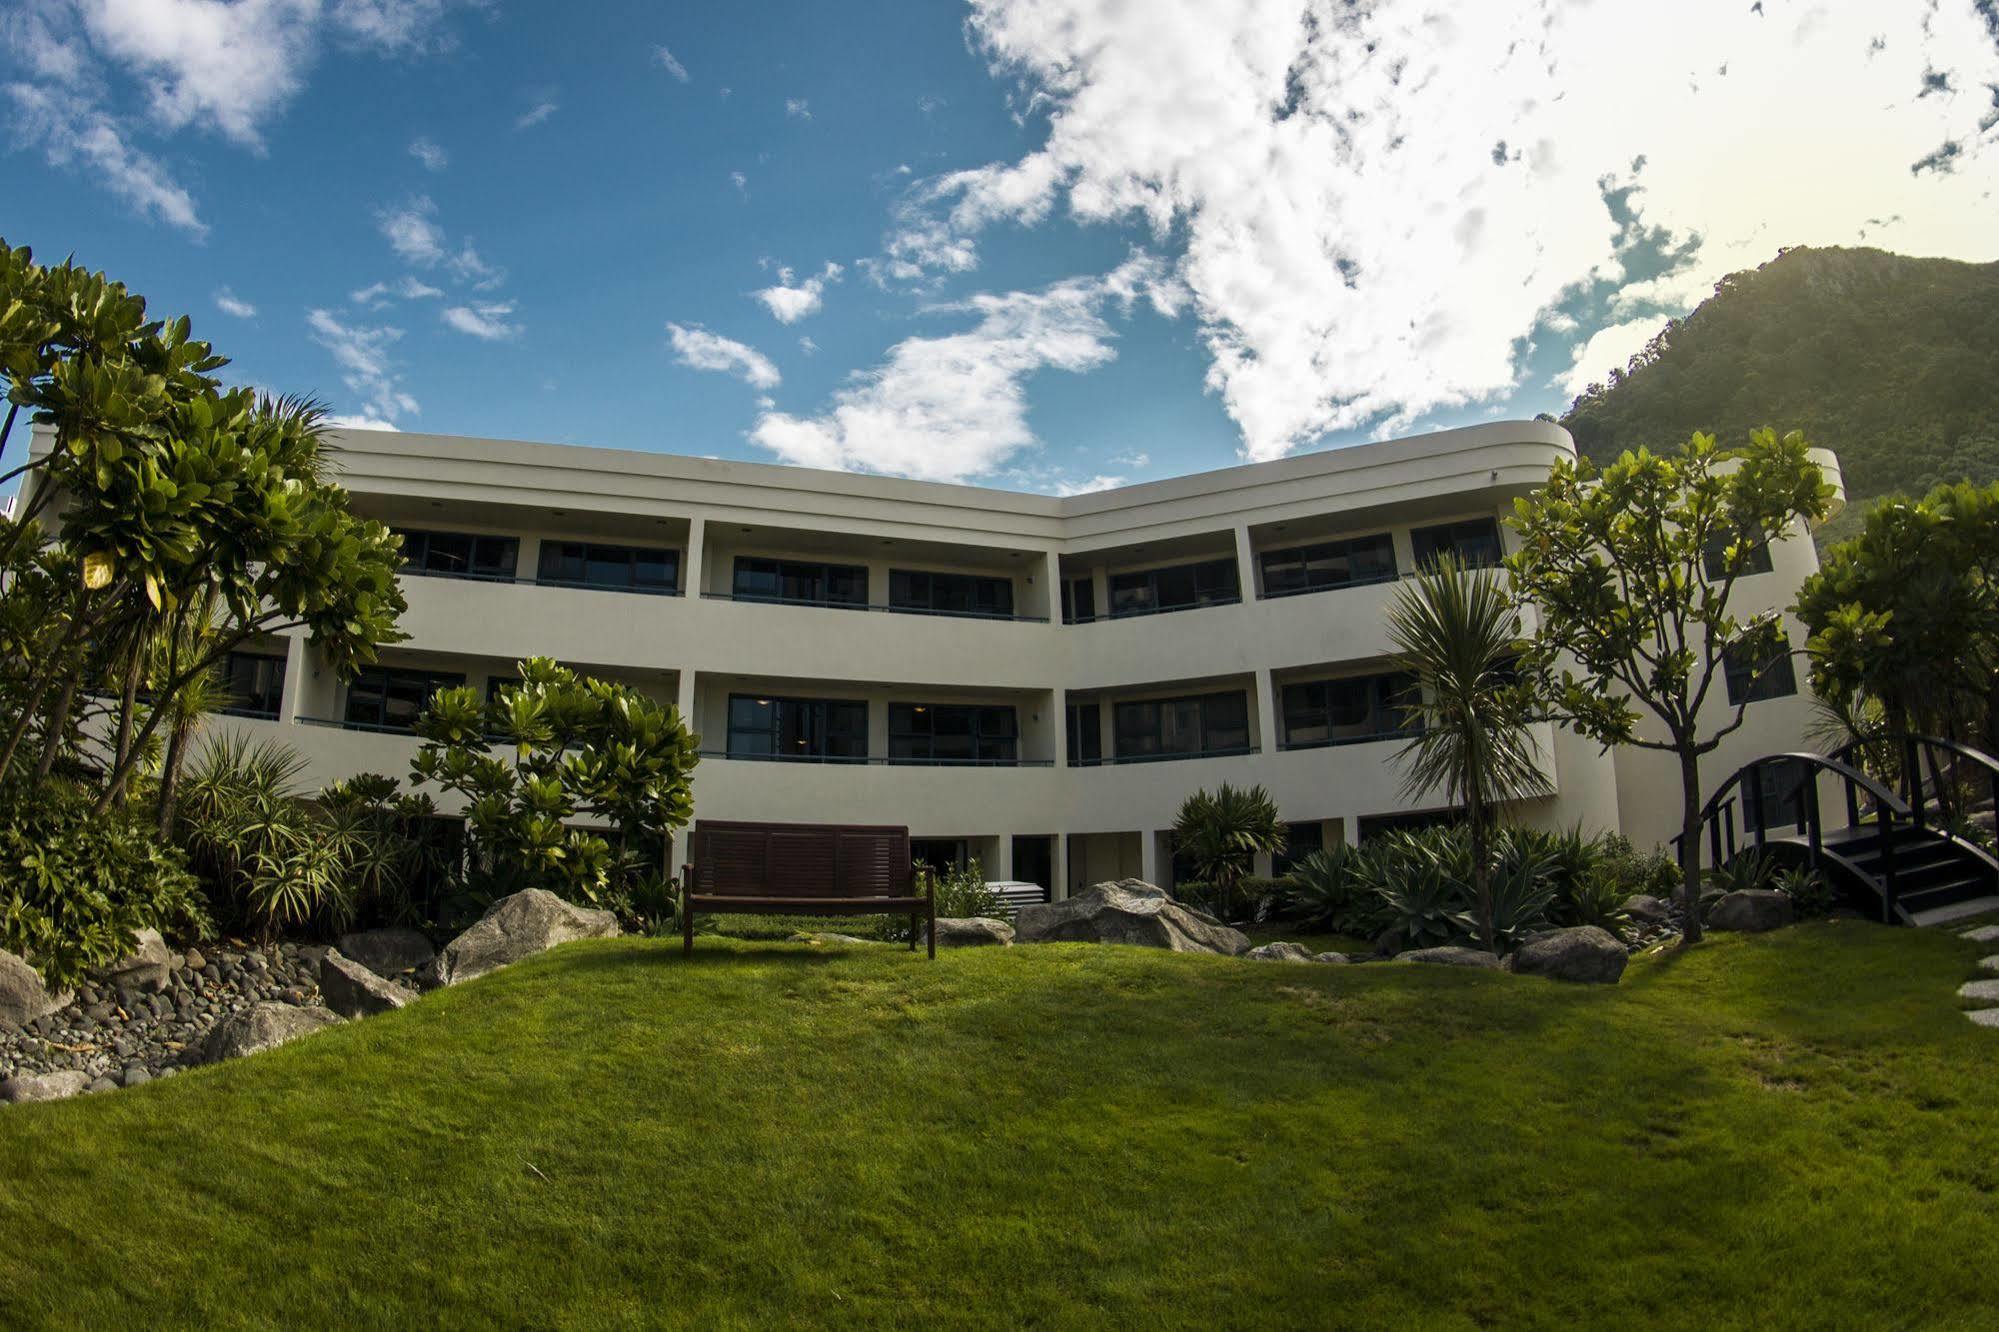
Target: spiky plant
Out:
[1222,834]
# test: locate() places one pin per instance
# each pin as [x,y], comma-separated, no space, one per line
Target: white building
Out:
[1033,681]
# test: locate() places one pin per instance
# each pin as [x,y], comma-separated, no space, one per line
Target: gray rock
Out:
[387,952]
[135,1076]
[1580,953]
[1984,1017]
[1751,911]
[1986,991]
[192,960]
[263,1027]
[1281,952]
[43,1086]
[829,937]
[969,932]
[1336,959]
[354,991]
[516,927]
[1453,955]
[101,1085]
[1649,910]
[1989,963]
[145,968]
[1128,911]
[23,997]
[1981,934]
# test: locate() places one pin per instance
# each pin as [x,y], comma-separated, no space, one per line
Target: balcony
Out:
[874,607]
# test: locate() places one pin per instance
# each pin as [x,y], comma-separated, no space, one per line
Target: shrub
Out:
[1332,891]
[1810,893]
[266,854]
[77,885]
[1522,888]
[394,849]
[1750,870]
[960,891]
[1222,833]
[1421,886]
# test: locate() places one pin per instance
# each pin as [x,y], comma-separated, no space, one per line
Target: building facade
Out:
[1036,682]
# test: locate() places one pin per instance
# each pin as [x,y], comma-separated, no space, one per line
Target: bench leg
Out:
[915,922]
[686,928]
[932,906]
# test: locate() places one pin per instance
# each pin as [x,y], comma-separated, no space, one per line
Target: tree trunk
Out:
[1481,875]
[1690,845]
[170,776]
[57,723]
[128,703]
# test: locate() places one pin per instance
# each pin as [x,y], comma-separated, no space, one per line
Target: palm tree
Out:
[1222,833]
[1456,629]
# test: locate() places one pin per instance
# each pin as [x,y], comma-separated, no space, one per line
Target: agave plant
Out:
[1521,892]
[1424,900]
[1223,833]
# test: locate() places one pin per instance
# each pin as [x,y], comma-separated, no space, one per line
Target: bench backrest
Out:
[732,859]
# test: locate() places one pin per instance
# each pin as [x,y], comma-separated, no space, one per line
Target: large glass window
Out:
[252,685]
[389,698]
[1176,587]
[950,593]
[618,568]
[824,730]
[1079,599]
[459,554]
[1759,667]
[1333,712]
[1086,734]
[1475,542]
[953,733]
[1177,727]
[1300,840]
[1329,564]
[759,579]
[1755,560]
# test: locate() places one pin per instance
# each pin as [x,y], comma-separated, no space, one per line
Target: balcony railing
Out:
[878,761]
[871,606]
[1334,742]
[1118,760]
[532,580]
[343,724]
[1371,580]
[1147,611]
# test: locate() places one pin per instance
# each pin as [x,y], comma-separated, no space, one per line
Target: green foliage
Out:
[1810,893]
[1748,871]
[1222,833]
[1891,362]
[579,749]
[961,891]
[1522,893]
[76,886]
[1629,625]
[394,850]
[1332,892]
[1423,883]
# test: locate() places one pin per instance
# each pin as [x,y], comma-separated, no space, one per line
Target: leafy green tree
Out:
[1628,616]
[1904,616]
[581,749]
[1457,629]
[1222,834]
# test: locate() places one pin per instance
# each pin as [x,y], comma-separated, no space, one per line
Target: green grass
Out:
[1791,1129]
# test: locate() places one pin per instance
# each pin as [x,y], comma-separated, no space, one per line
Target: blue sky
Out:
[1045,246]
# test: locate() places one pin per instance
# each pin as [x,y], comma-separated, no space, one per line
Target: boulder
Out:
[1751,911]
[1128,911]
[263,1027]
[1984,991]
[145,968]
[1281,952]
[27,1087]
[830,937]
[970,932]
[516,927]
[1336,959]
[1984,934]
[1581,953]
[1984,1017]
[23,997]
[1649,910]
[387,952]
[1453,955]
[354,991]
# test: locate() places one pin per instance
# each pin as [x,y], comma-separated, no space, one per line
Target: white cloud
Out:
[430,154]
[666,61]
[952,407]
[696,347]
[1088,487]
[412,231]
[808,346]
[469,267]
[218,65]
[1607,349]
[359,423]
[93,141]
[537,113]
[394,26]
[362,353]
[797,108]
[1133,459]
[490,321]
[741,182]
[229,303]
[377,294]
[1371,205]
[788,303]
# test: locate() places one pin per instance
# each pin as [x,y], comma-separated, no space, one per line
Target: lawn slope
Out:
[1796,1128]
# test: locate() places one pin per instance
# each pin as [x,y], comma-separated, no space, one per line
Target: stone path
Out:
[1983,991]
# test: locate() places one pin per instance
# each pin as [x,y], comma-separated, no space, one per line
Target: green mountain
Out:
[1891,362]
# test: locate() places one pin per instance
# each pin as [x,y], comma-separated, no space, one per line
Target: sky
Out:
[1047,245]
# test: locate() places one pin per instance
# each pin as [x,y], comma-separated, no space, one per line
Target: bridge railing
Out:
[1954,769]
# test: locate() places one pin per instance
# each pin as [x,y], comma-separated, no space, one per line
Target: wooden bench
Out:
[802,869]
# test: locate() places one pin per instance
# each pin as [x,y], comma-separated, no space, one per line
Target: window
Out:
[252,685]
[619,568]
[385,698]
[1475,542]
[459,554]
[1300,841]
[1179,727]
[1079,599]
[1715,558]
[1176,587]
[1759,668]
[495,683]
[952,733]
[1086,734]
[950,593]
[795,580]
[1330,564]
[818,729]
[1333,712]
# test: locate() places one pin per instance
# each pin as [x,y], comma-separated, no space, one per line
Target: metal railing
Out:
[875,607]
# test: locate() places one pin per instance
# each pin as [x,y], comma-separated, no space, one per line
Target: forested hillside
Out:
[1890,361]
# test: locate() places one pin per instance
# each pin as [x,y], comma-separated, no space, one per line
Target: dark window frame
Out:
[1314,564]
[489,557]
[1085,723]
[592,565]
[983,596]
[1753,674]
[1145,591]
[268,680]
[992,732]
[1079,599]
[1714,563]
[785,575]
[1307,705]
[795,723]
[1480,535]
[1137,721]
[381,679]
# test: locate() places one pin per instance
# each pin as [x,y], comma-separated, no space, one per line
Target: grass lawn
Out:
[1791,1129]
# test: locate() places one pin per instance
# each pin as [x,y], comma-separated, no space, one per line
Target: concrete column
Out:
[296,650]
[1106,730]
[1266,711]
[527,561]
[1002,865]
[1405,551]
[1148,856]
[1343,832]
[1058,706]
[684,697]
[1050,581]
[1058,869]
[693,578]
[1245,563]
[1100,581]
